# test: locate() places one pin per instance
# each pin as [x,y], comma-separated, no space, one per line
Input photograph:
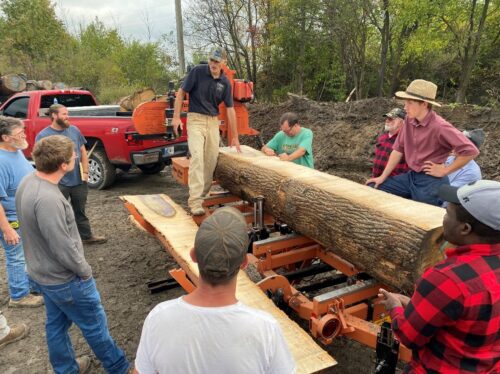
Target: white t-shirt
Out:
[178,337]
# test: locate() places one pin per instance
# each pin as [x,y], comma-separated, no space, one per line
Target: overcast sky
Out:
[130,17]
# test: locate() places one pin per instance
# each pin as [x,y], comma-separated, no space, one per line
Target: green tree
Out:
[466,20]
[144,64]
[35,38]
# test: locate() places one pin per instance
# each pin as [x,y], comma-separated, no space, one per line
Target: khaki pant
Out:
[203,142]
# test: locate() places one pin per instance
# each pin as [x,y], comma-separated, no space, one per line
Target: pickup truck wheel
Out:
[151,169]
[102,173]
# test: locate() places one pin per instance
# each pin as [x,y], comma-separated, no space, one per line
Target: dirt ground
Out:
[121,268]
[344,139]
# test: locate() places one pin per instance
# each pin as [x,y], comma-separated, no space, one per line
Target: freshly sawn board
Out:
[176,230]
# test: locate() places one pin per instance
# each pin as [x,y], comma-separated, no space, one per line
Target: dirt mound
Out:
[345,133]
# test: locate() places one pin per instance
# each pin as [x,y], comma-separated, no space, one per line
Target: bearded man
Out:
[13,168]
[74,184]
[394,121]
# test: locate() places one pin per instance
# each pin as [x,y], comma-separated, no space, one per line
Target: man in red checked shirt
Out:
[393,123]
[452,321]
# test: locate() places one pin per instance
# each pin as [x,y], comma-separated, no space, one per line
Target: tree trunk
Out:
[405,33]
[385,33]
[471,50]
[390,238]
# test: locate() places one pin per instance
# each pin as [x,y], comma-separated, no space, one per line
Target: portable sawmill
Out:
[350,239]
[322,245]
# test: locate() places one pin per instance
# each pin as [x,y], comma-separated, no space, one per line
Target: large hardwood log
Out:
[391,238]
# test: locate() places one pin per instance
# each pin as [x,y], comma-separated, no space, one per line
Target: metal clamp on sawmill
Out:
[259,230]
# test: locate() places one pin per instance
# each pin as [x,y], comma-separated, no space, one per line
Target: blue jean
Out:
[19,285]
[416,186]
[79,301]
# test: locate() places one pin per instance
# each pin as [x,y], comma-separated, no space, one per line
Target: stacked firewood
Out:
[14,83]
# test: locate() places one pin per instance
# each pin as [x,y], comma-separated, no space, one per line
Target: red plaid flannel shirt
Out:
[383,149]
[452,323]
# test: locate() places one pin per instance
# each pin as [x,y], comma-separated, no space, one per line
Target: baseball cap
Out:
[221,243]
[480,199]
[217,54]
[396,113]
[475,136]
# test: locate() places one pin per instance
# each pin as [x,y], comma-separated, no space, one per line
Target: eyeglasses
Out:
[18,134]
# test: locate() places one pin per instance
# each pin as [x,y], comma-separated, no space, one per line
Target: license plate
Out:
[168,151]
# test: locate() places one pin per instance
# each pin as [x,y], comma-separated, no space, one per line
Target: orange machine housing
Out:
[242,93]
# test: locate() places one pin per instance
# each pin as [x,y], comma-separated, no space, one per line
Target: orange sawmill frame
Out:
[329,318]
[344,313]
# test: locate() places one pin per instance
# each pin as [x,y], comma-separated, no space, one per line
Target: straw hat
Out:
[421,90]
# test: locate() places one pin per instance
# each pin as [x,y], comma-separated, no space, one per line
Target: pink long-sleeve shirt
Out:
[432,139]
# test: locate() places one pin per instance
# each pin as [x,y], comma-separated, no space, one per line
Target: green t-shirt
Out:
[281,143]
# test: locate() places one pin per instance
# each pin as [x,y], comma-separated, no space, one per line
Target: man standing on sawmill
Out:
[209,330]
[293,143]
[56,263]
[207,87]
[74,184]
[394,121]
[13,168]
[452,320]
[425,141]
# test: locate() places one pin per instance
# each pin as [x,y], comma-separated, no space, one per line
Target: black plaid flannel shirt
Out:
[383,149]
[452,323]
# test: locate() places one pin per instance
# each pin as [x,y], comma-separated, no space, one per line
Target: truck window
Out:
[68,100]
[17,108]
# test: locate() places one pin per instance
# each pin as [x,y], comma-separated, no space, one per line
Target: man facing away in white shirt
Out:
[209,330]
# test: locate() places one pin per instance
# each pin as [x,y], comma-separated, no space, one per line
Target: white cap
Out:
[481,199]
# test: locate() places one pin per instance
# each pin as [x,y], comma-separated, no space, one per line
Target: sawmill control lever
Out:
[387,351]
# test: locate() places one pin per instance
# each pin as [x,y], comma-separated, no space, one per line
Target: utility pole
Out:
[180,36]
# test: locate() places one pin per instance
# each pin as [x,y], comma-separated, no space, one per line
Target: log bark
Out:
[31,85]
[59,86]
[391,238]
[12,83]
[44,84]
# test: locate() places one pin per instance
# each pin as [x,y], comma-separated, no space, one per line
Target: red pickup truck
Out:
[118,143]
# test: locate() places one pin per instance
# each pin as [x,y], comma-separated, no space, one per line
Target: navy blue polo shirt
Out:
[205,92]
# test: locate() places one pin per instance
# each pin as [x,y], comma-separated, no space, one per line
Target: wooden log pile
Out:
[391,238]
[14,83]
